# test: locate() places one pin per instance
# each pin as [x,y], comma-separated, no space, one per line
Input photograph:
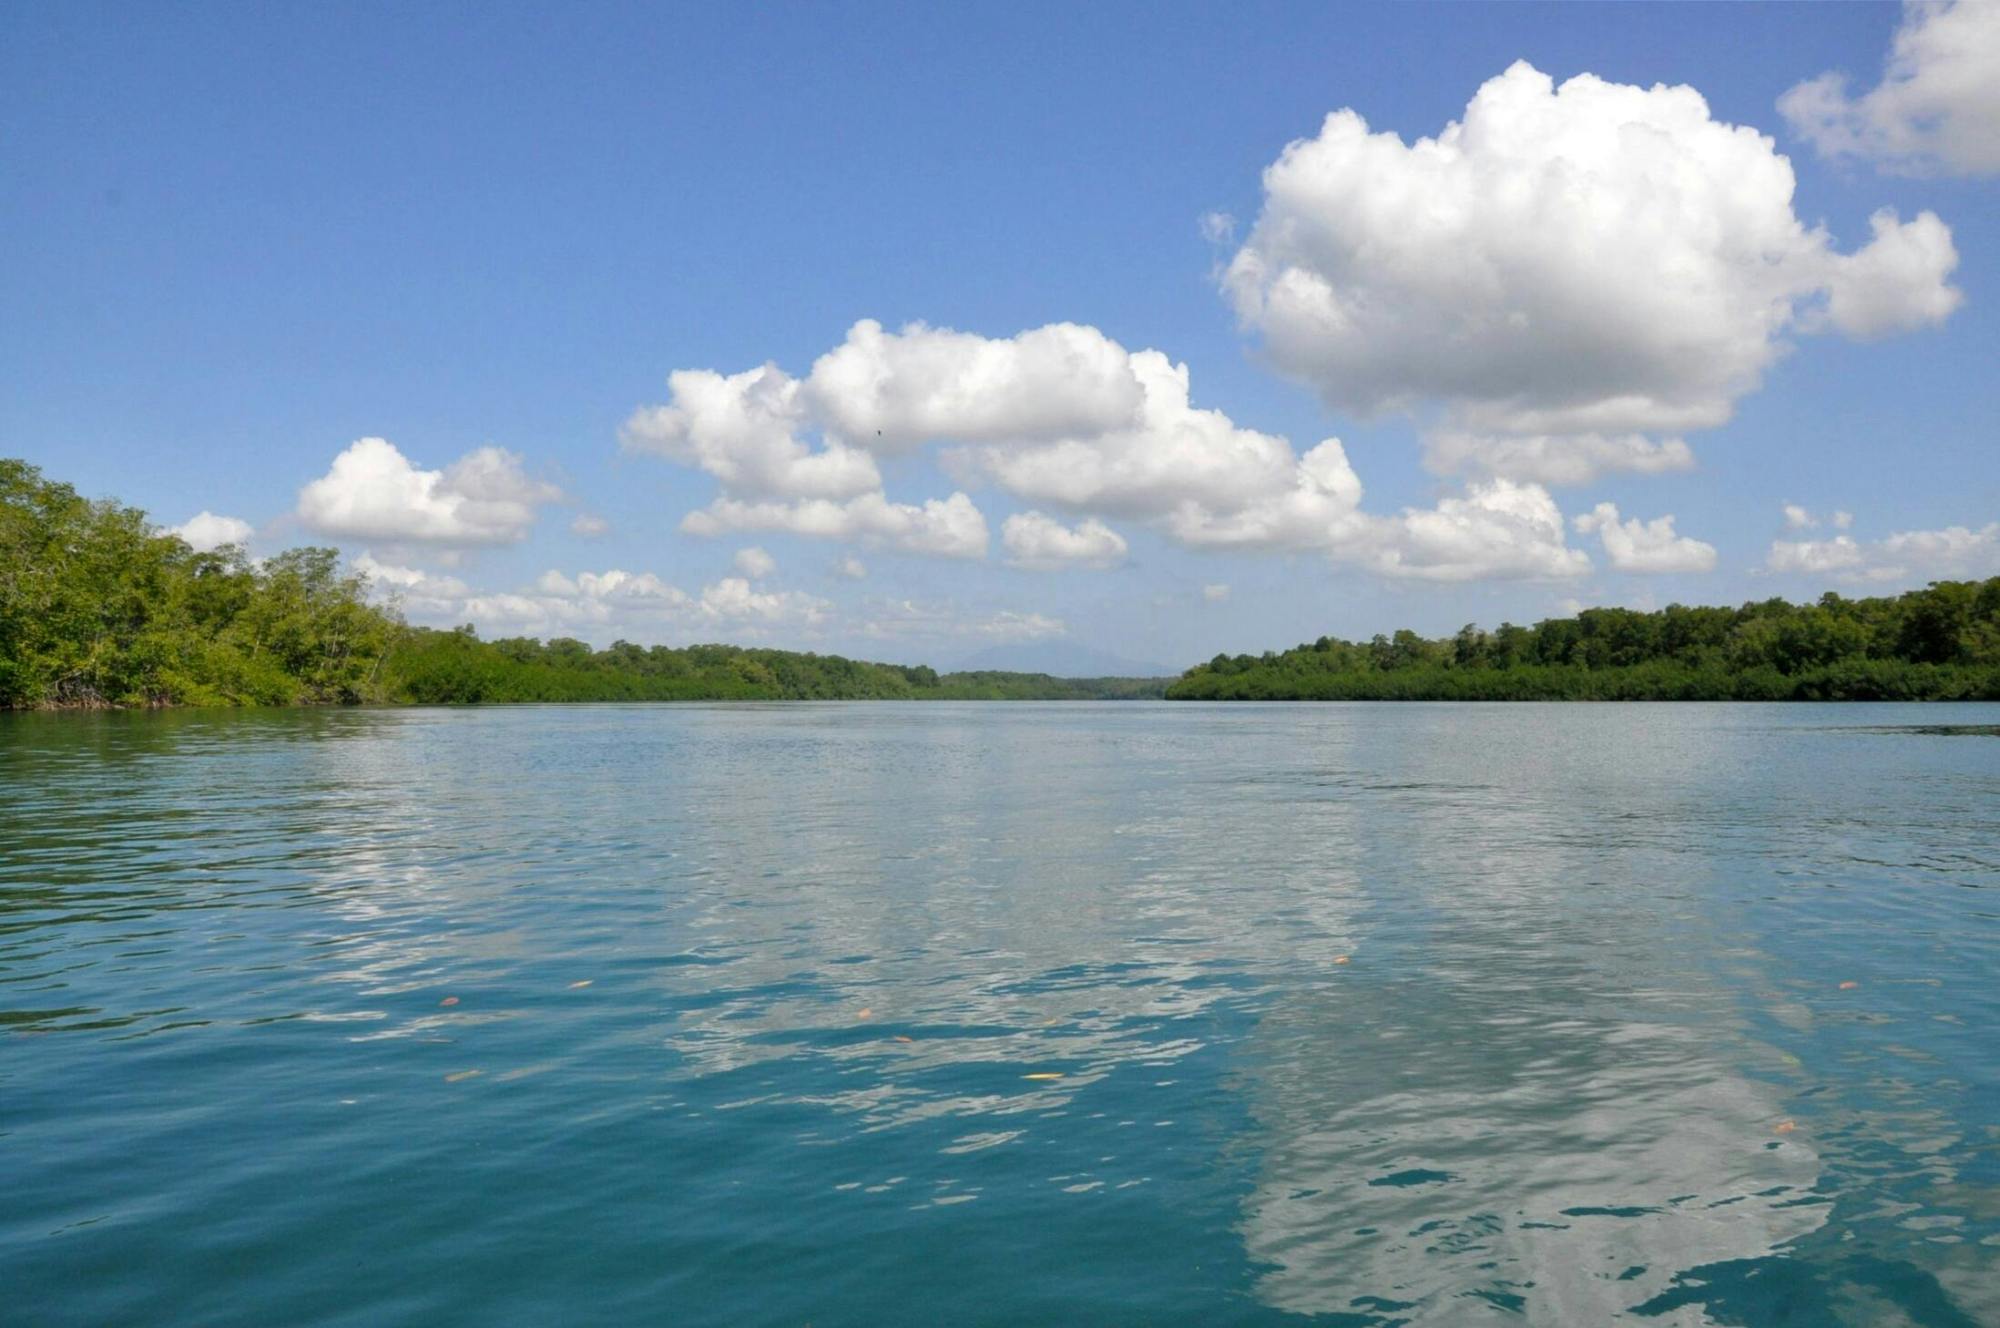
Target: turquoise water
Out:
[294,1026]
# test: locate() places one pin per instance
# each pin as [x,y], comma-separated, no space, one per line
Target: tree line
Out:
[1941,643]
[100,608]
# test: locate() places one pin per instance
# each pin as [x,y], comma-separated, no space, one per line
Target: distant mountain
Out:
[1064,659]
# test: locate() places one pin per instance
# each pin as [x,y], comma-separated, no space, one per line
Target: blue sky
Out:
[242,238]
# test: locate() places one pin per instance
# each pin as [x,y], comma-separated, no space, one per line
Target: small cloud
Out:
[1218,228]
[1910,555]
[851,568]
[205,531]
[914,619]
[1044,544]
[423,593]
[1843,520]
[1215,594]
[754,563]
[589,526]
[1645,546]
[1798,518]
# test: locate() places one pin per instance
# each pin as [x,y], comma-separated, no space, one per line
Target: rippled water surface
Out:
[1004,1013]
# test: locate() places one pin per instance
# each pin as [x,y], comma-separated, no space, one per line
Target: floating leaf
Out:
[1849,986]
[585,983]
[866,1014]
[1043,1074]
[901,1038]
[1340,959]
[449,1000]
[1786,1127]
[460,1076]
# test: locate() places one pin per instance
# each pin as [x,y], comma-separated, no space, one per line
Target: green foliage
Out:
[1937,644]
[97,608]
[455,667]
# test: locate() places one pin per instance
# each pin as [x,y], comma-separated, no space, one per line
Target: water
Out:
[1380,1014]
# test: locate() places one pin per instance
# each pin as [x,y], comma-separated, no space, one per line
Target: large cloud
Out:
[1937,108]
[1061,417]
[1565,269]
[374,492]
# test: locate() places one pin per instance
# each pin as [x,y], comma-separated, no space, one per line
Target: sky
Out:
[1051,333]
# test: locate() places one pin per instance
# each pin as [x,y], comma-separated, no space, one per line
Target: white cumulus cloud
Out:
[1500,529]
[205,531]
[1645,546]
[372,491]
[1897,282]
[732,600]
[1063,417]
[744,429]
[1910,555]
[588,525]
[1565,268]
[893,391]
[1937,108]
[1043,543]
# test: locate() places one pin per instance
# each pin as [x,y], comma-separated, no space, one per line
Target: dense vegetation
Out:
[452,667]
[98,608]
[1937,644]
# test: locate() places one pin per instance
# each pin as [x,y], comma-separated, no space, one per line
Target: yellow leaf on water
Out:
[459,1076]
[1786,1127]
[901,1038]
[585,983]
[867,1014]
[1043,1074]
[1340,959]
[449,1000]
[1849,986]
